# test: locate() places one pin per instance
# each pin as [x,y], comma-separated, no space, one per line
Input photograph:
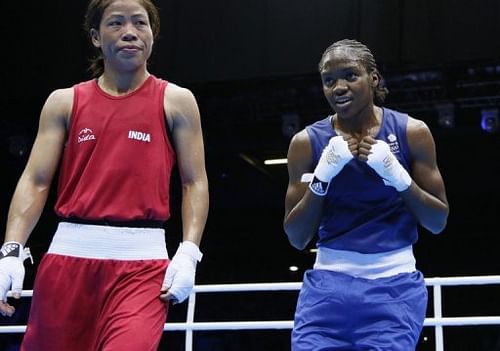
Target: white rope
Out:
[438,331]
[258,325]
[462,321]
[470,280]
[262,325]
[247,287]
[437,321]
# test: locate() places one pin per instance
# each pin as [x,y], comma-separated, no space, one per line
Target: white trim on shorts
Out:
[369,266]
[108,242]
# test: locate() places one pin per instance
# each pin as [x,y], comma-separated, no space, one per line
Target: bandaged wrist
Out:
[15,249]
[11,249]
[319,187]
[190,249]
[402,182]
[387,166]
[333,158]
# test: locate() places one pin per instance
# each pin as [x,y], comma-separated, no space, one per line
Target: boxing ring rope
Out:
[437,320]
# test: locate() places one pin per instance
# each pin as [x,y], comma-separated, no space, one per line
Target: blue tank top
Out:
[360,212]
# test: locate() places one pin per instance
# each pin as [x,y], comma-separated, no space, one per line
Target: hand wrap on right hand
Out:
[387,166]
[180,274]
[12,256]
[333,158]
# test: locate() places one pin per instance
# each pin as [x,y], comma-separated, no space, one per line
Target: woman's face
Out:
[347,86]
[125,36]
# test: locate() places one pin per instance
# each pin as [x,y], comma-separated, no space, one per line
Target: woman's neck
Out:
[121,83]
[361,126]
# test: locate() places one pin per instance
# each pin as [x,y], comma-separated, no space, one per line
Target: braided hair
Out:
[365,58]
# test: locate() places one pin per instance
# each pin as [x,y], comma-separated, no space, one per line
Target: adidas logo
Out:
[9,250]
[85,134]
[141,136]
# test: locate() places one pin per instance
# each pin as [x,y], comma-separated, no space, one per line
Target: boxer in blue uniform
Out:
[361,181]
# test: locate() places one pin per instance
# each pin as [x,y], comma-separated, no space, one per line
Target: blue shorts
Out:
[336,311]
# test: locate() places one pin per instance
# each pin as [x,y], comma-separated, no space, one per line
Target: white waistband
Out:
[106,242]
[369,266]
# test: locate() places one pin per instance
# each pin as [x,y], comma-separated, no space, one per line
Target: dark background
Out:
[252,66]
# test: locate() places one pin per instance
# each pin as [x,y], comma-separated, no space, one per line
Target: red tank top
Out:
[118,159]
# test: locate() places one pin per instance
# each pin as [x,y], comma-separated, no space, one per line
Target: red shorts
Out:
[87,304]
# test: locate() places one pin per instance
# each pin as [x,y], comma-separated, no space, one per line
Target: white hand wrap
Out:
[180,275]
[388,167]
[333,158]
[12,256]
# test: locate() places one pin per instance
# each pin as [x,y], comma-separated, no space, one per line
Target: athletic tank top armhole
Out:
[74,107]
[406,144]
[405,129]
[169,135]
[399,121]
[402,126]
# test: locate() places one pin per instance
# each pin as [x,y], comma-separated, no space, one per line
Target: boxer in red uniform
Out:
[107,279]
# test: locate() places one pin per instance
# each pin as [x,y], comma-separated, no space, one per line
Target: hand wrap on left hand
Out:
[180,274]
[388,167]
[12,256]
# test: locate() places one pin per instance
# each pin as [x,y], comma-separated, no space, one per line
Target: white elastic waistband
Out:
[106,242]
[369,266]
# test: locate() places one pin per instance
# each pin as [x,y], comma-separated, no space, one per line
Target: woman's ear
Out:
[95,38]
[375,79]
